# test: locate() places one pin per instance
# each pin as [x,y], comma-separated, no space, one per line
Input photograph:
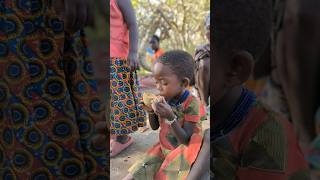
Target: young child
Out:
[177,113]
[248,140]
[125,116]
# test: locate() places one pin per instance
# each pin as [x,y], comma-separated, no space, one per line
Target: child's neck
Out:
[226,105]
[176,98]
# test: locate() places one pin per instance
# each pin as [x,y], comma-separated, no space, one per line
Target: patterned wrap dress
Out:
[126,115]
[48,97]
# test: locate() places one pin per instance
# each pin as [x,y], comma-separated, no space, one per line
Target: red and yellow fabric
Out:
[263,146]
[257,86]
[157,54]
[169,159]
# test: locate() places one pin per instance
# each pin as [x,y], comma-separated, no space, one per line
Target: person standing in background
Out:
[126,115]
[202,67]
[155,46]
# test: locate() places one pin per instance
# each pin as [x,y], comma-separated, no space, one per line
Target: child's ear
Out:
[185,82]
[240,68]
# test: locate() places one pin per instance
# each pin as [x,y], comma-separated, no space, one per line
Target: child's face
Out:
[167,82]
[230,70]
[154,44]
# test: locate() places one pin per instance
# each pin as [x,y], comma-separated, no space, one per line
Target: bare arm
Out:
[202,163]
[184,133]
[300,67]
[76,13]
[130,18]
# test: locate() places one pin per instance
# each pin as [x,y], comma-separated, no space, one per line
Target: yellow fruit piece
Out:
[148,98]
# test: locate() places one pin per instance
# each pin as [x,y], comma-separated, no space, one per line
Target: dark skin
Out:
[298,66]
[297,60]
[154,43]
[230,71]
[129,16]
[76,13]
[170,87]
[202,76]
[202,79]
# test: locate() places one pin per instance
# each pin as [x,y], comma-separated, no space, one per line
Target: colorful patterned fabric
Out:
[126,115]
[262,147]
[256,85]
[247,98]
[168,159]
[48,100]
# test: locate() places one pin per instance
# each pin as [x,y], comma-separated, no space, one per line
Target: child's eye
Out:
[164,83]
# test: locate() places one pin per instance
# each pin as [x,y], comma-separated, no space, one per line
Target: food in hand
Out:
[148,98]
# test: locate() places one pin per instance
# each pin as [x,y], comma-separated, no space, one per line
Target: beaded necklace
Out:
[246,100]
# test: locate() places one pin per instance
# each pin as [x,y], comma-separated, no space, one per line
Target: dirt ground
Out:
[142,141]
[120,164]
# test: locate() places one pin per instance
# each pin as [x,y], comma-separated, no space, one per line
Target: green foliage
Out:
[180,23]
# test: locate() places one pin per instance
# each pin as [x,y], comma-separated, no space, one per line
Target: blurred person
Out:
[155,46]
[248,139]
[49,106]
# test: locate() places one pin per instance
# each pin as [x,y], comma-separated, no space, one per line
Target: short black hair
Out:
[180,62]
[242,25]
[156,37]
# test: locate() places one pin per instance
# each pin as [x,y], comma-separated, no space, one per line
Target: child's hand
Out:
[133,61]
[163,109]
